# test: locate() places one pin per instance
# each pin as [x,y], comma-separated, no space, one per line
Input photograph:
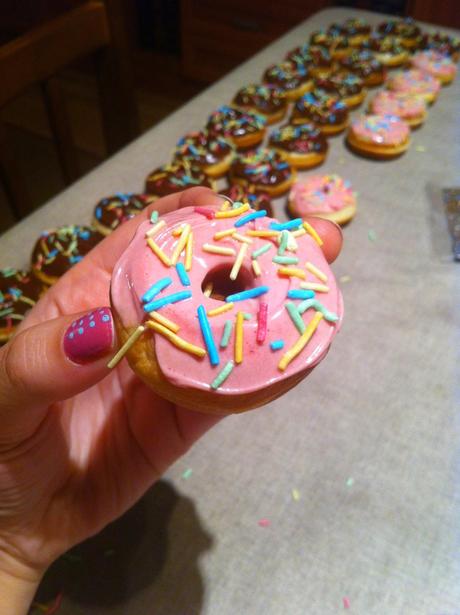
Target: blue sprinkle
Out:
[98,213]
[75,259]
[252,216]
[123,197]
[277,345]
[174,298]
[300,294]
[286,226]
[155,289]
[84,234]
[183,275]
[207,336]
[248,294]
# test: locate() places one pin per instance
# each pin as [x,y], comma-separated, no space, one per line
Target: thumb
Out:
[51,362]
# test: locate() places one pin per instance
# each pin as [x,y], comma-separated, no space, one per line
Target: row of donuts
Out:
[59,249]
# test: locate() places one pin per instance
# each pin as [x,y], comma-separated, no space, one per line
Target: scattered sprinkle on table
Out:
[420,148]
[187,473]
[345,278]
[371,235]
[350,482]
[346,602]
[263,522]
[295,495]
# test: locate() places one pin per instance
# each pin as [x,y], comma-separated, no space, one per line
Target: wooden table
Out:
[357,469]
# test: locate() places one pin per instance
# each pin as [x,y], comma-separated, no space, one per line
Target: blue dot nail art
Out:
[70,336]
[80,330]
[92,323]
[105,318]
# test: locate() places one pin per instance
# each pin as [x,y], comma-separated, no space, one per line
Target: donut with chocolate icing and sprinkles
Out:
[256,199]
[294,79]
[317,59]
[19,292]
[244,128]
[264,169]
[264,99]
[328,112]
[304,146]
[211,152]
[175,177]
[345,85]
[365,65]
[113,210]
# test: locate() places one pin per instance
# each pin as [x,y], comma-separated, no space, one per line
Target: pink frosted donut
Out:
[224,310]
[436,64]
[411,109]
[382,136]
[325,196]
[415,82]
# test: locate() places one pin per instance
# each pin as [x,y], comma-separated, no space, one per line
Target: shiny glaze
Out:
[287,75]
[264,98]
[306,55]
[319,107]
[19,291]
[231,122]
[202,148]
[175,177]
[303,139]
[362,63]
[263,167]
[341,84]
[256,199]
[118,208]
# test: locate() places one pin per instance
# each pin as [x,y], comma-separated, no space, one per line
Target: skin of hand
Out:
[80,444]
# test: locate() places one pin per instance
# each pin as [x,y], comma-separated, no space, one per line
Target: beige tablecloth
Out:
[357,469]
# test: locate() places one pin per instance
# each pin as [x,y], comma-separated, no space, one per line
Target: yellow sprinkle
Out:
[132,339]
[169,324]
[232,213]
[299,232]
[256,267]
[154,230]
[301,342]
[239,337]
[220,310]
[263,233]
[208,290]
[189,252]
[209,247]
[159,252]
[181,243]
[242,238]
[315,271]
[177,231]
[44,247]
[238,262]
[320,288]
[225,205]
[293,272]
[179,342]
[313,233]
[221,234]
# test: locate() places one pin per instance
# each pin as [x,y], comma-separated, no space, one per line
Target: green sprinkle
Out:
[318,306]
[2,297]
[237,204]
[8,272]
[222,375]
[247,316]
[226,334]
[295,317]
[261,250]
[283,242]
[285,260]
[350,482]
[5,312]
[154,217]
[187,474]
[372,235]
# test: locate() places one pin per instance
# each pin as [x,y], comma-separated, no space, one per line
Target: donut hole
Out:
[218,280]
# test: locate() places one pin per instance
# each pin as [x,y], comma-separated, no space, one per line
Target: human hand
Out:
[80,444]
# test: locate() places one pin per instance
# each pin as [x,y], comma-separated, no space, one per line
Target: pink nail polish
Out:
[90,336]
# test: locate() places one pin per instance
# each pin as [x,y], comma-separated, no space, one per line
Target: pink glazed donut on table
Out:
[221,310]
[436,64]
[379,136]
[411,109]
[416,83]
[324,196]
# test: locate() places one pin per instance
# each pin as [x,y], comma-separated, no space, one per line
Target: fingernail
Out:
[90,336]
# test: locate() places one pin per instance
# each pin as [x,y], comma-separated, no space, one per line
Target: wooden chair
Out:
[93,28]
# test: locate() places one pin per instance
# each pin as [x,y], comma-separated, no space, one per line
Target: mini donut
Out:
[58,250]
[266,100]
[411,109]
[355,29]
[303,146]
[405,29]
[112,211]
[365,65]
[244,128]
[327,196]
[337,44]
[435,64]
[264,169]
[249,339]
[344,85]
[174,177]
[318,59]
[379,136]
[448,45]
[328,112]
[19,292]
[238,193]
[293,79]
[387,50]
[415,82]
[210,152]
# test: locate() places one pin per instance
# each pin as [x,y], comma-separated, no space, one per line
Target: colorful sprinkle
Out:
[154,217]
[189,252]
[346,602]
[242,238]
[300,294]
[169,324]
[207,336]
[208,213]
[315,304]
[173,298]
[315,271]
[262,321]
[295,495]
[212,249]
[248,294]
[263,522]
[155,289]
[222,375]
[132,339]
[183,276]
[286,226]
[238,262]
[284,239]
[292,272]
[277,344]
[239,337]
[208,290]
[221,234]
[261,250]
[177,341]
[256,268]
[226,334]
[295,317]
[372,235]
[252,216]
[187,473]
[158,251]
[263,233]
[232,213]
[303,340]
[154,230]
[226,307]
[319,288]
[285,260]
[313,233]
[181,243]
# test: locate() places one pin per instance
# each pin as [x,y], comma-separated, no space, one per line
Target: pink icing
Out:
[321,194]
[435,63]
[380,129]
[414,81]
[395,103]
[138,268]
